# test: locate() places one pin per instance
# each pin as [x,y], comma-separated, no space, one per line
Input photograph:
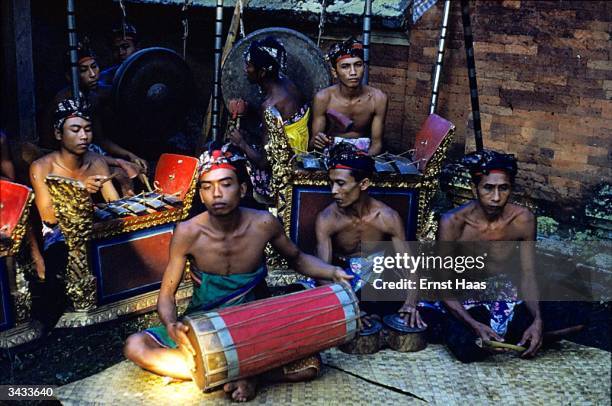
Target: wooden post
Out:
[232,33]
[19,69]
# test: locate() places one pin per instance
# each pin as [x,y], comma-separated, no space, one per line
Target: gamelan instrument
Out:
[490,344]
[368,341]
[15,298]
[401,337]
[118,250]
[246,340]
[152,92]
[139,205]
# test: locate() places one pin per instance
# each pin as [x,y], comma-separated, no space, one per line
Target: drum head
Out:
[306,66]
[396,322]
[375,327]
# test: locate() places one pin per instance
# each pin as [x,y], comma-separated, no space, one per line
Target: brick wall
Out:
[545,86]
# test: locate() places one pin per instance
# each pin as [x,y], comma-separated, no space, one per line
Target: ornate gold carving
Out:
[188,200]
[21,334]
[74,212]
[20,228]
[22,297]
[279,153]
[138,304]
[428,186]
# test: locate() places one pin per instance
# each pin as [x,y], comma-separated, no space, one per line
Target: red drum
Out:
[246,340]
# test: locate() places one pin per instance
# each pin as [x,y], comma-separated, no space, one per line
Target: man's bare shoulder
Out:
[324,95]
[456,217]
[262,219]
[386,212]
[192,225]
[520,215]
[44,164]
[377,93]
[329,213]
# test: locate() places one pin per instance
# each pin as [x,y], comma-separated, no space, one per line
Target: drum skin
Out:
[246,340]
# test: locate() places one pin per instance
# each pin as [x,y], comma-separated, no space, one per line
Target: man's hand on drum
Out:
[411,315]
[178,332]
[321,141]
[339,276]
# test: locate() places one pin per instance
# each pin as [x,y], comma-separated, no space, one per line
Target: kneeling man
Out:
[225,246]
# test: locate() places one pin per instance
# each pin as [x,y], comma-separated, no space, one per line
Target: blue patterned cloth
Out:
[420,7]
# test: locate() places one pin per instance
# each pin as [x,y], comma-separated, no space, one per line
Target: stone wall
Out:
[545,85]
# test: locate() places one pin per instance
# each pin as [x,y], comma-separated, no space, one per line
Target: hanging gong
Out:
[306,66]
[152,92]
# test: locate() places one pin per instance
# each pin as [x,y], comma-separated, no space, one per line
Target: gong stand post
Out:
[232,34]
[439,59]
[367,26]
[216,133]
[471,65]
[72,46]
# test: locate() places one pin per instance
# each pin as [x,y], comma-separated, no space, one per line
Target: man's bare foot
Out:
[241,390]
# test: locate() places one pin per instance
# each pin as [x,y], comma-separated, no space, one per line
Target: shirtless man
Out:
[118,158]
[490,217]
[265,62]
[73,160]
[365,105]
[356,217]
[226,246]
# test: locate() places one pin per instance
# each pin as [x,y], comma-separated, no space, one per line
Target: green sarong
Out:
[215,291]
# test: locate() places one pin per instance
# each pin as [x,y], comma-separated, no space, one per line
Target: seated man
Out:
[124,42]
[225,246]
[122,161]
[356,217]
[265,61]
[349,111]
[490,217]
[73,160]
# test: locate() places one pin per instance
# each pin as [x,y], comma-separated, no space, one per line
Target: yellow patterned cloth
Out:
[312,361]
[297,130]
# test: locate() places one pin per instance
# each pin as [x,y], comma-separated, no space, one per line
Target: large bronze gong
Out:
[152,92]
[306,66]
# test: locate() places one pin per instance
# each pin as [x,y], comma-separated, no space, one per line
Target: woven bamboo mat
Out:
[573,374]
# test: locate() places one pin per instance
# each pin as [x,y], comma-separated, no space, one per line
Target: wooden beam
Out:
[20,66]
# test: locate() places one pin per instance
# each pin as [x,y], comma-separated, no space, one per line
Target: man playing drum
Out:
[355,217]
[225,248]
[362,105]
[73,130]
